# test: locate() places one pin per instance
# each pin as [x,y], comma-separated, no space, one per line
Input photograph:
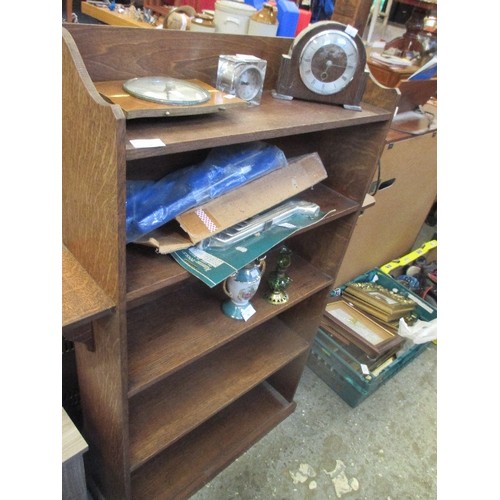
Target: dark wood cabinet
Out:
[353,12]
[172,390]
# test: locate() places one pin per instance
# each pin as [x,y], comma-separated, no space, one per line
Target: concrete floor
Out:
[385,448]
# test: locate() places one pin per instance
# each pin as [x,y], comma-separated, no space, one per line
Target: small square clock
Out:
[242,76]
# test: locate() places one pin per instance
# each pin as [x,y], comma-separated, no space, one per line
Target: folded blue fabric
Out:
[152,204]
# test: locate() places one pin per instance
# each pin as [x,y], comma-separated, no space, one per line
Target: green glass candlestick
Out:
[278,280]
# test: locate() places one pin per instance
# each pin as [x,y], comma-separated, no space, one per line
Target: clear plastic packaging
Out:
[420,332]
[152,204]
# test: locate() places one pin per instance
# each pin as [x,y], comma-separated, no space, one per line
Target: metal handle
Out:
[263,222]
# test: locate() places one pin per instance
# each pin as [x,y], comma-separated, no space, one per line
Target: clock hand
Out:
[324,74]
[329,64]
[168,87]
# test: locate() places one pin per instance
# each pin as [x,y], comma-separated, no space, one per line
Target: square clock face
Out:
[242,76]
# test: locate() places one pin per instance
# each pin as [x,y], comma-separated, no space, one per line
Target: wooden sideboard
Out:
[74,486]
[405,189]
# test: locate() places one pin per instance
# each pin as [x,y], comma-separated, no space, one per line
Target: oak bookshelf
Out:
[172,390]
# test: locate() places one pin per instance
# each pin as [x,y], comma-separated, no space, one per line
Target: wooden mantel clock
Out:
[326,63]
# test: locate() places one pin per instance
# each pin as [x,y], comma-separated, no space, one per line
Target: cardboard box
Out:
[405,194]
[238,205]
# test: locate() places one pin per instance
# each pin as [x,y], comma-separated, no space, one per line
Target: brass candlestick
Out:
[278,280]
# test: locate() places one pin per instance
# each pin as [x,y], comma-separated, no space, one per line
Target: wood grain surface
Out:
[83,300]
[173,390]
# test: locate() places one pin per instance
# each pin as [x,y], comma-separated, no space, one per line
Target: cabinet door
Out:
[407,190]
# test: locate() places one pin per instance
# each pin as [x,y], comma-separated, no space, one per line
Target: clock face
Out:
[166,90]
[242,76]
[328,62]
[249,83]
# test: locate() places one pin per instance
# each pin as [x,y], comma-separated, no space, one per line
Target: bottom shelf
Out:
[194,460]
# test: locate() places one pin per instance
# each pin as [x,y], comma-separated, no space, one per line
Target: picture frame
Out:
[379,301]
[362,357]
[361,330]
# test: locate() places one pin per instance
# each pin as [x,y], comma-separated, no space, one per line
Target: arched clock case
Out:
[326,63]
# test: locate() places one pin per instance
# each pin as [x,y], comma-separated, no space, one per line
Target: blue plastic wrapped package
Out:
[152,204]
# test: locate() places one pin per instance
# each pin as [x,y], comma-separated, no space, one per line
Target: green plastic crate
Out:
[343,372]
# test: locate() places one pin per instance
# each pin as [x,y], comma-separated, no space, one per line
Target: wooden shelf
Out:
[331,202]
[112,17]
[273,118]
[156,349]
[209,384]
[83,299]
[149,272]
[189,463]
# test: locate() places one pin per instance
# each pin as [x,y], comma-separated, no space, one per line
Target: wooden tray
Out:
[134,107]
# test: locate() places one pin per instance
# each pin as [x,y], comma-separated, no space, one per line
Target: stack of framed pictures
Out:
[380,303]
[355,352]
[367,340]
